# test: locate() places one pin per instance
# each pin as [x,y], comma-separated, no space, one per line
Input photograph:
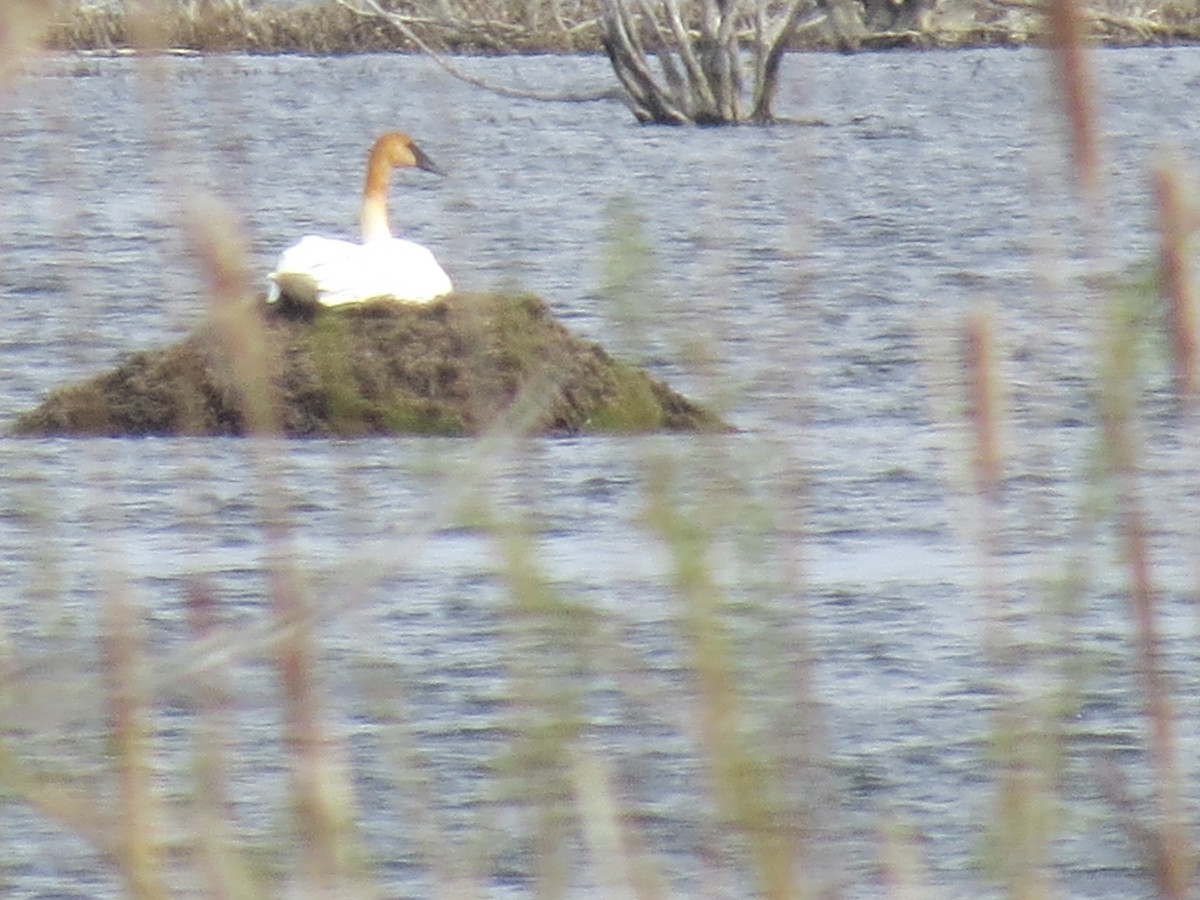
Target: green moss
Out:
[417,417]
[346,409]
[632,406]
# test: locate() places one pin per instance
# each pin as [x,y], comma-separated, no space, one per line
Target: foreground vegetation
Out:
[754,729]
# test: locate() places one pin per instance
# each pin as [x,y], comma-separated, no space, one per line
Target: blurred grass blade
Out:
[140,823]
[331,864]
[220,250]
[1177,225]
[742,775]
[903,873]
[226,874]
[22,24]
[620,872]
[1065,22]
[984,404]
[1118,398]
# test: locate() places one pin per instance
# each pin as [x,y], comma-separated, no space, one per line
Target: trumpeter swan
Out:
[332,272]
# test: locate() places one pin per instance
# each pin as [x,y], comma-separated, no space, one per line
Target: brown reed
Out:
[330,862]
[1171,863]
[1067,37]
[984,404]
[1025,732]
[220,250]
[226,875]
[140,822]
[1177,226]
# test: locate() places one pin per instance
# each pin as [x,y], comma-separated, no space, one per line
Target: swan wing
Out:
[334,272]
[312,268]
[403,270]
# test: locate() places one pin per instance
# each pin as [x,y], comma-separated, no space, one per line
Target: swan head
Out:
[400,151]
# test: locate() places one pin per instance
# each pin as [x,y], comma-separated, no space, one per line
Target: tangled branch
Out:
[405,25]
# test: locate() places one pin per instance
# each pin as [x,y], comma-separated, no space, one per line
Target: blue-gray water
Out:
[806,277]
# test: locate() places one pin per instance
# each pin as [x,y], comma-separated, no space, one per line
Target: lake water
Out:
[808,278]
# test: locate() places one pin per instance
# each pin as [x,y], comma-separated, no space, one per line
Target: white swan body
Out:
[334,272]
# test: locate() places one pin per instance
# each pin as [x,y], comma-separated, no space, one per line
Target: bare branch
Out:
[701,73]
[727,61]
[650,101]
[699,78]
[767,78]
[665,53]
[403,24]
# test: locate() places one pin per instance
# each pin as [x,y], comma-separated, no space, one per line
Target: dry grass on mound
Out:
[457,366]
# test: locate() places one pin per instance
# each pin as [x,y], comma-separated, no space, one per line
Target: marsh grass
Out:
[321,27]
[747,705]
[506,26]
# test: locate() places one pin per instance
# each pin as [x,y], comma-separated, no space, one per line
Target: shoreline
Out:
[878,43]
[322,29]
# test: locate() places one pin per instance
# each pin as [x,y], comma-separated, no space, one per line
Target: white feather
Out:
[334,272]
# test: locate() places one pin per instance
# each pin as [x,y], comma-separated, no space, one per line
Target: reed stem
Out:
[140,822]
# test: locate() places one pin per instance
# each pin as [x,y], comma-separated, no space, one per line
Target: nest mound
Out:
[456,366]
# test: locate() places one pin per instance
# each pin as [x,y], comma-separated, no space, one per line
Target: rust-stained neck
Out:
[393,150]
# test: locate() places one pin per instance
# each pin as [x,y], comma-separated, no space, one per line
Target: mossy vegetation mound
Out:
[456,366]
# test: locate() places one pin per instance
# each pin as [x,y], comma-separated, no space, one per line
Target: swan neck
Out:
[374,204]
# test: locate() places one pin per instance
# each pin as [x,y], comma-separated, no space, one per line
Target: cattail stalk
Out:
[983,404]
[220,250]
[1177,227]
[1171,863]
[1065,22]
